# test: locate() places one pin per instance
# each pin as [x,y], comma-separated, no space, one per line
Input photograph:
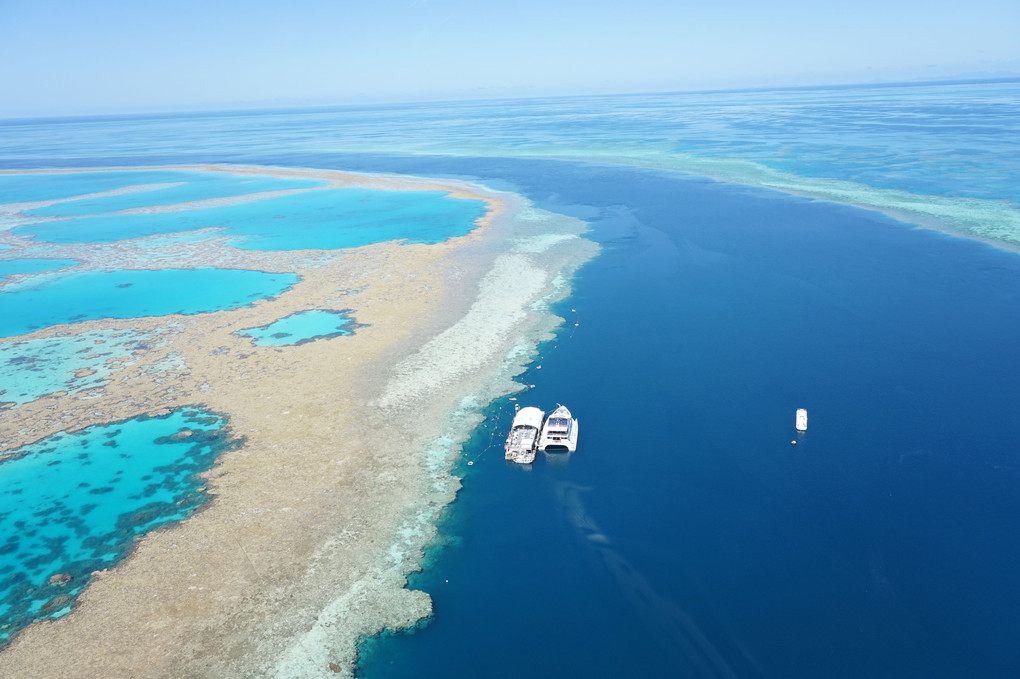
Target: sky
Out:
[63,57]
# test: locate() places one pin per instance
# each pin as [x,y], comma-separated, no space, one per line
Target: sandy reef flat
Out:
[348,442]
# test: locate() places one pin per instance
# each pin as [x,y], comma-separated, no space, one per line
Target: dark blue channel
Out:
[687,537]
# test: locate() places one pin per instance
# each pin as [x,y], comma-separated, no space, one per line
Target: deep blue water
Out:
[327,219]
[88,295]
[687,537]
[960,139]
[92,492]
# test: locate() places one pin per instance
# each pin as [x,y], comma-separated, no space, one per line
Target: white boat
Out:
[522,442]
[559,432]
[801,419]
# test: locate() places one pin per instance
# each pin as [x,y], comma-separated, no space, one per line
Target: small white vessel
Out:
[801,419]
[559,432]
[522,443]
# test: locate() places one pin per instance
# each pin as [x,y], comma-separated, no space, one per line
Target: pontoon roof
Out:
[530,417]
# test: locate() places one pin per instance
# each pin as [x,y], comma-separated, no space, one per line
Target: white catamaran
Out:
[559,432]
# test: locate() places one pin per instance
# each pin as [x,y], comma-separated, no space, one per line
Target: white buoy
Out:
[792,443]
[470,462]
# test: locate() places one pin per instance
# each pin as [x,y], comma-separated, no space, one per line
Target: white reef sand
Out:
[349,443]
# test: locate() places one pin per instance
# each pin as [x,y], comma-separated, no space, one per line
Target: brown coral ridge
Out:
[316,520]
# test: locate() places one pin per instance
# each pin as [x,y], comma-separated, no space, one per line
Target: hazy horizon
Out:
[117,57]
[254,108]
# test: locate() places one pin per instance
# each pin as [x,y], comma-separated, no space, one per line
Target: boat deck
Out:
[520,445]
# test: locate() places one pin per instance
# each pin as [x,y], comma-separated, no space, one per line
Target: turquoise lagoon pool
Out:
[70,298]
[188,186]
[73,503]
[29,188]
[11,267]
[196,185]
[302,327]
[324,220]
[33,368]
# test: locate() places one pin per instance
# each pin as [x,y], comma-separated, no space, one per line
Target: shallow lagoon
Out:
[71,298]
[881,546]
[74,503]
[327,220]
[33,368]
[193,186]
[10,267]
[30,188]
[302,327]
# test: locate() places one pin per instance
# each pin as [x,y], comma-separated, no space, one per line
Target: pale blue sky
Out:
[60,57]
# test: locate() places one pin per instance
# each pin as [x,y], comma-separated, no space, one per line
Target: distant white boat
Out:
[801,419]
[522,442]
[559,432]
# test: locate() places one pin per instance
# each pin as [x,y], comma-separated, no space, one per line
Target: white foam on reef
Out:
[504,295]
[484,302]
[380,593]
[539,244]
[512,299]
[443,386]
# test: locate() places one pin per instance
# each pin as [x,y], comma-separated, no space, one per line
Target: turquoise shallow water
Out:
[701,544]
[73,503]
[302,327]
[328,219]
[32,188]
[959,142]
[71,298]
[33,368]
[195,186]
[10,267]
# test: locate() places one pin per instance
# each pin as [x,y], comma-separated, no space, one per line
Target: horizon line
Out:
[299,108]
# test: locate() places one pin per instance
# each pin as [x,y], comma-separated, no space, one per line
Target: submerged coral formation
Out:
[348,444]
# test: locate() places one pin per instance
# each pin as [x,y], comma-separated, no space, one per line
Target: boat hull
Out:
[552,443]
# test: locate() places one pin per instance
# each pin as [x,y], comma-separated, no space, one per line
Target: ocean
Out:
[687,536]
